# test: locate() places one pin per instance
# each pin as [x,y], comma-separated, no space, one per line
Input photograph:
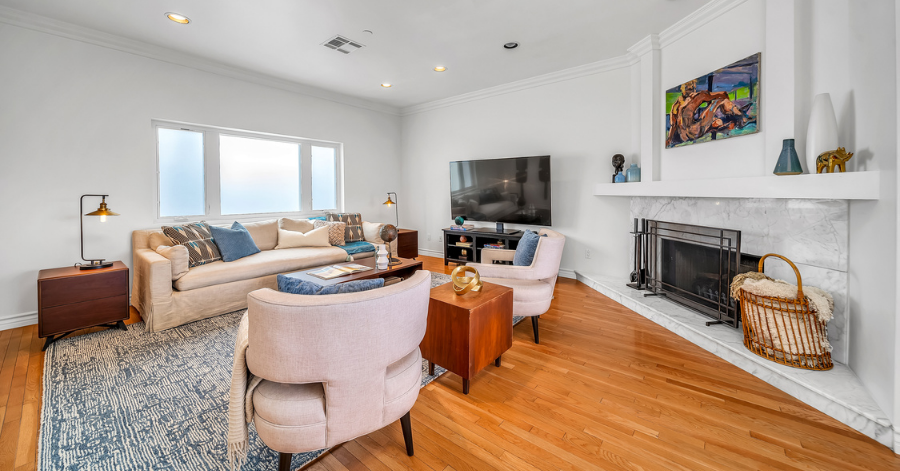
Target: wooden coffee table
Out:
[466,333]
[404,270]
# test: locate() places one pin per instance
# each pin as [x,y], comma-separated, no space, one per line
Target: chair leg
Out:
[284,462]
[534,325]
[407,433]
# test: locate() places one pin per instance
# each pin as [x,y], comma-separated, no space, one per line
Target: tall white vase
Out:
[822,134]
[381,257]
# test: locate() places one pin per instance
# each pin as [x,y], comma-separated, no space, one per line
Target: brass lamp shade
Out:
[103,210]
[389,201]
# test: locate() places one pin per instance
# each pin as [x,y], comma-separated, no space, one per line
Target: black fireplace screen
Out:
[694,265]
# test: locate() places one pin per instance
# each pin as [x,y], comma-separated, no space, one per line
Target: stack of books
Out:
[495,246]
[464,227]
[463,244]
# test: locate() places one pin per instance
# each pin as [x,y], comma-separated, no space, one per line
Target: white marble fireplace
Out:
[812,233]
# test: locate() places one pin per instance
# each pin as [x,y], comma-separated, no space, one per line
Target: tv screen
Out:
[514,190]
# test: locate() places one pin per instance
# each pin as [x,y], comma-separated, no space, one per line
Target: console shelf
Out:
[478,237]
[830,186]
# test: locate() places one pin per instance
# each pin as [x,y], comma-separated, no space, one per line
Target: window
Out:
[211,172]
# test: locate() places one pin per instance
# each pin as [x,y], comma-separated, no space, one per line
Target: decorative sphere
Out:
[389,233]
[459,220]
[463,238]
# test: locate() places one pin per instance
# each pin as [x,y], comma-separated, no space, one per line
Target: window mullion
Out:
[213,181]
[306,203]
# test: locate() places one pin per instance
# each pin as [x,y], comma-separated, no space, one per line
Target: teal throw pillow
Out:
[234,243]
[526,249]
[288,284]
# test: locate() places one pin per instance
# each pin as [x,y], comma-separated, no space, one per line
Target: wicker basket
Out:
[784,330]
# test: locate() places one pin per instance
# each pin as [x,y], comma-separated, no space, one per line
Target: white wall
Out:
[696,54]
[579,122]
[75,119]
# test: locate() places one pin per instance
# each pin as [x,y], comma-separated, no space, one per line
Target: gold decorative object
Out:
[832,159]
[464,284]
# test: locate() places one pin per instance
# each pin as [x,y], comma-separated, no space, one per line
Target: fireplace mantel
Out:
[832,186]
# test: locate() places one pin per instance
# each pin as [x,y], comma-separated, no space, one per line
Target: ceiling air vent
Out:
[342,44]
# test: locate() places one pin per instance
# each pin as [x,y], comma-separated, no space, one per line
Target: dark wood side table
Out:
[407,243]
[71,299]
[466,333]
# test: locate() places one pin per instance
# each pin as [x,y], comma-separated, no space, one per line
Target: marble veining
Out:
[814,234]
[837,392]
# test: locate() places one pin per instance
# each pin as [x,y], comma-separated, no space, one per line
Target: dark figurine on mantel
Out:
[618,162]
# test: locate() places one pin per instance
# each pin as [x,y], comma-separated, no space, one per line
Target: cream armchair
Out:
[532,285]
[335,367]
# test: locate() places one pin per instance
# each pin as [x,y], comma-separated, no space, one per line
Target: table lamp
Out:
[391,202]
[102,211]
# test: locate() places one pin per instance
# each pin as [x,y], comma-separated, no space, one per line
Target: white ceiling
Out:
[282,38]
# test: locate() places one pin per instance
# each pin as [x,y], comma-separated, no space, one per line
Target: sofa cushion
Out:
[289,284]
[234,243]
[335,230]
[372,231]
[290,404]
[158,238]
[267,262]
[296,225]
[198,239]
[353,232]
[264,233]
[314,238]
[178,258]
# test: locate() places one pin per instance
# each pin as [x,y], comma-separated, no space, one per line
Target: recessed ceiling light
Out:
[440,68]
[178,18]
[511,45]
[386,85]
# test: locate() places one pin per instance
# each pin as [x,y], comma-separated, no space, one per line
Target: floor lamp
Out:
[102,211]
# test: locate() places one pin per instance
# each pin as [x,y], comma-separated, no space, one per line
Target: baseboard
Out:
[431,253]
[567,273]
[19,320]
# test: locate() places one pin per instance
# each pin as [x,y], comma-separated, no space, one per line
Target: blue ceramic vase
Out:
[788,162]
[620,178]
[633,174]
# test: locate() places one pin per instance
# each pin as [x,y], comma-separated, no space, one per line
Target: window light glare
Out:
[181,19]
[440,68]
[386,85]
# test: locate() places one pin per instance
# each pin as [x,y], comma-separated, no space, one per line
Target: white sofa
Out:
[219,287]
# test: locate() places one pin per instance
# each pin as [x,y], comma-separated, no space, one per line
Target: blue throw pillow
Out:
[288,284]
[234,243]
[317,218]
[526,249]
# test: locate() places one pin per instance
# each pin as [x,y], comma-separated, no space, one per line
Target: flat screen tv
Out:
[514,190]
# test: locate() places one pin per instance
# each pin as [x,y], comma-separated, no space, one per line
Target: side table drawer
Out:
[59,291]
[59,319]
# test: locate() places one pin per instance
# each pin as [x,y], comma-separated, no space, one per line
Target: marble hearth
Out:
[837,392]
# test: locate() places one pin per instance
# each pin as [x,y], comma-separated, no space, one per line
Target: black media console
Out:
[462,254]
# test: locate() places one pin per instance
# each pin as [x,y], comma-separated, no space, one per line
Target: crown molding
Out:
[649,43]
[538,81]
[695,20]
[98,38]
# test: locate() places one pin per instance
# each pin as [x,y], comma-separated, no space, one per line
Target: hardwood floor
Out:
[606,389]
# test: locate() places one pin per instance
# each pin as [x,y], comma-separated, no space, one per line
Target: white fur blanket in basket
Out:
[783,331]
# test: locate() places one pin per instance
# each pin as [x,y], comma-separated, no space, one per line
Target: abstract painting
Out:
[718,105]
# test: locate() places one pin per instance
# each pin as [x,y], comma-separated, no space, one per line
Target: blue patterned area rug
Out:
[133,400]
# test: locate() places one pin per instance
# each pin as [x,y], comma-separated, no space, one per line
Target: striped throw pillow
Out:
[198,239]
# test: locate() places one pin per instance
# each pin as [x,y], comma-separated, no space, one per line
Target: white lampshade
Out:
[822,133]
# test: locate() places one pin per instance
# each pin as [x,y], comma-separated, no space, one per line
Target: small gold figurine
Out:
[832,159]
[464,284]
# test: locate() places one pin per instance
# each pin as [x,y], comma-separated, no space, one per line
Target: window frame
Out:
[212,181]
